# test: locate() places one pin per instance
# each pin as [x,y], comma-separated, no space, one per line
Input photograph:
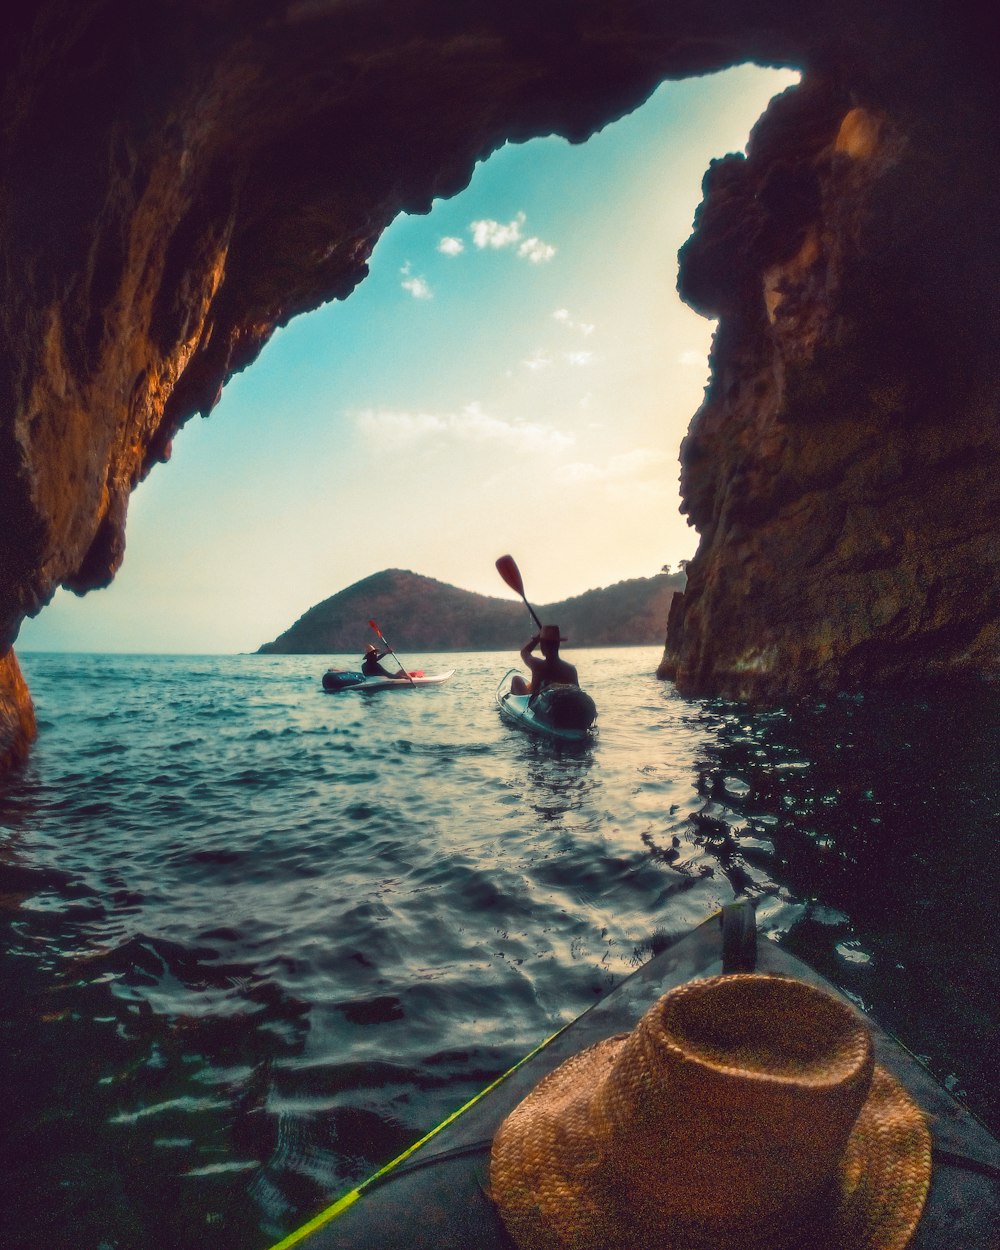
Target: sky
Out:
[515,375]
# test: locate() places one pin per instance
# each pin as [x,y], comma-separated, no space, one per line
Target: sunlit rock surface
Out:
[843,470]
[179,179]
[17,714]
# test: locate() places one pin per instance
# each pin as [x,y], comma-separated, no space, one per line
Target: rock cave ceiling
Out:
[182,178]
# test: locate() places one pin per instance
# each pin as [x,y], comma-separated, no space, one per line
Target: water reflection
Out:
[867,828]
[225,1001]
[559,781]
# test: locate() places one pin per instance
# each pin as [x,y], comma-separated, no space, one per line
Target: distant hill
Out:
[420,614]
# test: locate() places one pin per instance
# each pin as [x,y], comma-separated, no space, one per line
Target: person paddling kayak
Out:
[371,667]
[548,670]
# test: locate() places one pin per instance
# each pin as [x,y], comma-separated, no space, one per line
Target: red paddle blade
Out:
[511,574]
[374,626]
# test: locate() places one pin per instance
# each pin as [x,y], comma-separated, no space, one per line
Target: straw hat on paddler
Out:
[742,1111]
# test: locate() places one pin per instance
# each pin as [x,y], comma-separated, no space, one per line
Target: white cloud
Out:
[540,358]
[451,246]
[629,467]
[692,358]
[404,427]
[418,287]
[536,251]
[470,425]
[488,232]
[586,328]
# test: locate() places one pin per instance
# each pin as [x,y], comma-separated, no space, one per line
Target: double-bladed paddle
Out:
[374,626]
[511,574]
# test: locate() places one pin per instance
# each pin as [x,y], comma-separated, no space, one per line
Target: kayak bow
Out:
[435,1194]
[560,713]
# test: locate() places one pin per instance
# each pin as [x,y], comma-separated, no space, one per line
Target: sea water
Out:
[258,938]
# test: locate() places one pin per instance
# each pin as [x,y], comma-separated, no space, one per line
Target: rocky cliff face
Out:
[179,179]
[842,471]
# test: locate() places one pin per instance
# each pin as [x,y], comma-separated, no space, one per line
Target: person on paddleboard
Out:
[549,669]
[371,667]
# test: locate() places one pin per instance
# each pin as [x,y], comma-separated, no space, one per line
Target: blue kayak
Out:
[560,713]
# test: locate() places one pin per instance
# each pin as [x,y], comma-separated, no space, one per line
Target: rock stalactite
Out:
[180,179]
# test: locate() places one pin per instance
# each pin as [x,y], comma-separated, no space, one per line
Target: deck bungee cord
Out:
[319,1221]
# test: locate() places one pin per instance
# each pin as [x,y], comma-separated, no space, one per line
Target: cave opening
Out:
[453,408]
[515,373]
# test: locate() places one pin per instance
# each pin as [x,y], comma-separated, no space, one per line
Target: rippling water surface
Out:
[258,938]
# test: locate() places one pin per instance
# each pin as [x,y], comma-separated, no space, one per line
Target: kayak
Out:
[561,713]
[435,1194]
[345,679]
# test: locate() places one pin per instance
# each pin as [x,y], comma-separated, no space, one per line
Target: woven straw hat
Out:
[742,1111]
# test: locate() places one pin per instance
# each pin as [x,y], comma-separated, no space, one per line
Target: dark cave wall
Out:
[179,179]
[182,178]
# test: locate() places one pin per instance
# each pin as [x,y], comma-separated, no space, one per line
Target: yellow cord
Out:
[349,1199]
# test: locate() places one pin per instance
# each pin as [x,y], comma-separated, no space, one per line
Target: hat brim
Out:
[542,1174]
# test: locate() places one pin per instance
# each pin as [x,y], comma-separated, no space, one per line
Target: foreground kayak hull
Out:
[437,1194]
[340,679]
[517,710]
